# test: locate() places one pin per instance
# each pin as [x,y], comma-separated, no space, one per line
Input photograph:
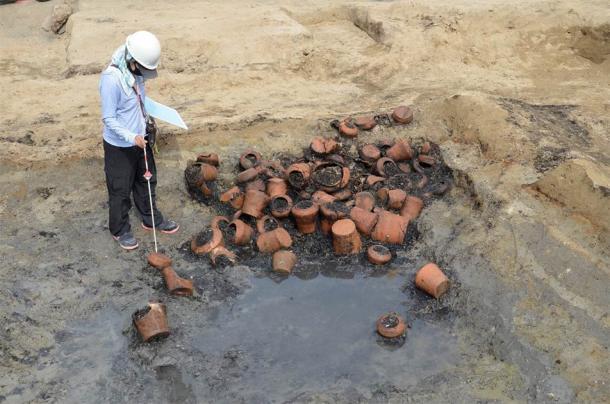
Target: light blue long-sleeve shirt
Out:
[121,113]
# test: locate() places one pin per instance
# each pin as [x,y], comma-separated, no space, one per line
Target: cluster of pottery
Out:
[350,126]
[201,174]
[431,279]
[151,321]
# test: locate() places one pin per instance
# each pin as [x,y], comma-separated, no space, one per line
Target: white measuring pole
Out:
[148,176]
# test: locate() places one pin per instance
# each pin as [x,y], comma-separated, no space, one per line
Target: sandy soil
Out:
[515,92]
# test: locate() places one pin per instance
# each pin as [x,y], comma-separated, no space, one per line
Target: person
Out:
[125,134]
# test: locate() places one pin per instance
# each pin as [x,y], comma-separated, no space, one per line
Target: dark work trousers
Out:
[124,168]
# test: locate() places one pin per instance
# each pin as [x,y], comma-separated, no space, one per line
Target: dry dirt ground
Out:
[515,92]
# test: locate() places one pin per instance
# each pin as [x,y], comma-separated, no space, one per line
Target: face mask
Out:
[144,72]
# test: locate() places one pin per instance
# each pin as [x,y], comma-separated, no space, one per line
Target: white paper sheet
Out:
[164,113]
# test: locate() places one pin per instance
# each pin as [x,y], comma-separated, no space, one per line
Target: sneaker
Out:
[127,241]
[167,227]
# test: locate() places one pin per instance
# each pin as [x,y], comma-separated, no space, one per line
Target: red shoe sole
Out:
[162,231]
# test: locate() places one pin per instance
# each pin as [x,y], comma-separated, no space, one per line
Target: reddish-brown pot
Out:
[337,183]
[432,280]
[206,190]
[390,228]
[298,175]
[219,254]
[365,220]
[348,128]
[242,232]
[234,197]
[425,148]
[263,222]
[325,225]
[321,197]
[151,321]
[342,195]
[249,159]
[382,195]
[321,145]
[217,220]
[391,325]
[305,214]
[334,211]
[402,114]
[254,203]
[383,167]
[209,158]
[208,172]
[412,207]
[365,200]
[346,239]
[371,180]
[370,153]
[396,198]
[426,161]
[400,151]
[284,261]
[280,206]
[176,285]
[274,240]
[215,241]
[378,254]
[257,185]
[248,175]
[365,122]
[159,260]
[404,167]
[276,186]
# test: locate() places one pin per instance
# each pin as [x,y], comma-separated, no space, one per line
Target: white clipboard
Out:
[164,113]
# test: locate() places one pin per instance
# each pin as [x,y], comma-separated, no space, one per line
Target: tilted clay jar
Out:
[426,161]
[425,148]
[396,198]
[402,114]
[248,175]
[386,167]
[284,261]
[305,214]
[209,158]
[365,200]
[321,197]
[208,172]
[215,240]
[298,175]
[249,159]
[372,180]
[276,186]
[159,260]
[378,254]
[400,151]
[411,207]
[390,228]
[365,220]
[326,184]
[346,239]
[370,153]
[347,128]
[257,185]
[274,240]
[254,203]
[391,325]
[365,122]
[432,280]
[266,221]
[234,197]
[222,255]
[151,322]
[321,145]
[242,232]
[219,222]
[176,285]
[342,194]
[280,206]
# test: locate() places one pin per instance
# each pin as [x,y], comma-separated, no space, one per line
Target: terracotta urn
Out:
[176,285]
[159,260]
[274,240]
[220,256]
[370,153]
[233,197]
[347,128]
[346,239]
[391,325]
[298,175]
[284,261]
[206,241]
[400,151]
[151,322]
[280,206]
[411,207]
[305,214]
[365,122]
[241,231]
[432,280]
[365,200]
[379,254]
[390,228]
[402,114]
[249,159]
[365,220]
[209,158]
[254,203]
[276,186]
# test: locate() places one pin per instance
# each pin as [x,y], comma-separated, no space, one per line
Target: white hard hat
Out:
[145,48]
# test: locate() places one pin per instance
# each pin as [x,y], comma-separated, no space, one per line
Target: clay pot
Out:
[321,197]
[390,228]
[330,183]
[254,203]
[378,254]
[348,128]
[404,167]
[396,198]
[370,153]
[151,321]
[402,114]
[242,232]
[298,175]
[272,168]
[257,185]
[248,175]
[280,206]
[365,220]
[305,214]
[214,241]
[321,145]
[159,260]
[382,195]
[222,256]
[346,239]
[411,207]
[234,197]
[425,148]
[249,159]
[432,280]
[385,144]
[209,158]
[365,200]
[220,223]
[400,151]
[325,226]
[176,285]
[276,186]
[426,161]
[391,325]
[365,122]
[371,180]
[422,182]
[284,261]
[337,158]
[342,195]
[206,190]
[208,172]
[274,240]
[266,221]
[386,167]
[334,211]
